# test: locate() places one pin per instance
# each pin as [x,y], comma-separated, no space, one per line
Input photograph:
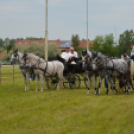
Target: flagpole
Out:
[46,32]
[87,26]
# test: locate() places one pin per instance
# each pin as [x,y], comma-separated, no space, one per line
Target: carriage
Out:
[73,75]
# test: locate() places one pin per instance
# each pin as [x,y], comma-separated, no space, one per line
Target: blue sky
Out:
[21,19]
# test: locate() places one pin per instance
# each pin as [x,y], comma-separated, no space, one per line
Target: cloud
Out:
[65,17]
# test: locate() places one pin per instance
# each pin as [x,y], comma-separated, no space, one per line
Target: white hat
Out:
[71,48]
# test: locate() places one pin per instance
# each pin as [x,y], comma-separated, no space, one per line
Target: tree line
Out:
[103,43]
[107,44]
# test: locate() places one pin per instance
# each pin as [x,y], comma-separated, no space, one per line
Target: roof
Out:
[65,45]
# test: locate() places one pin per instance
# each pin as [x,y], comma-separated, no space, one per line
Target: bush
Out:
[35,49]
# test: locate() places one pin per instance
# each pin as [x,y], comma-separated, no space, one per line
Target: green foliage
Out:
[6,56]
[2,49]
[75,42]
[9,48]
[126,38]
[105,44]
[1,43]
[35,49]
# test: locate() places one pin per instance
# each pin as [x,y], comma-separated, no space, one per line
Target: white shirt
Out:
[74,54]
[66,55]
[132,51]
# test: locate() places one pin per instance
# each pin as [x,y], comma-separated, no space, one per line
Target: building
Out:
[62,44]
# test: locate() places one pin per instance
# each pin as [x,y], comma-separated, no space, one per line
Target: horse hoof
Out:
[96,93]
[88,92]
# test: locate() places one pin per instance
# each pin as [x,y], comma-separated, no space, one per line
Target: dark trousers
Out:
[59,59]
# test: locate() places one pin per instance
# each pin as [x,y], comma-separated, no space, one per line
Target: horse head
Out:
[25,61]
[86,60]
[14,56]
[98,61]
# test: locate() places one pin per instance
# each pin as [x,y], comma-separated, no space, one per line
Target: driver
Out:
[65,56]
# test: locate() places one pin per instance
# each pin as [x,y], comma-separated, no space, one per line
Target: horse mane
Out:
[99,54]
[89,54]
[15,51]
[32,55]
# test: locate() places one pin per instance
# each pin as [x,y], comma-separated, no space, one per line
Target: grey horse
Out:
[87,59]
[111,68]
[42,68]
[17,56]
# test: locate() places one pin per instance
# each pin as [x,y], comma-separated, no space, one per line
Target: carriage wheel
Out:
[66,81]
[52,83]
[74,82]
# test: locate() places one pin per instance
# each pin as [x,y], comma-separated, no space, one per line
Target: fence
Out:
[9,73]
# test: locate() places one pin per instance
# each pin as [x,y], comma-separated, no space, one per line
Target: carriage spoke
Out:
[74,82]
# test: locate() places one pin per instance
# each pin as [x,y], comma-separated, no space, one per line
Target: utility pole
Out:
[46,32]
[115,35]
[87,26]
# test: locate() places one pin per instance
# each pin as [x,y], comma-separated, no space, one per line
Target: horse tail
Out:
[132,68]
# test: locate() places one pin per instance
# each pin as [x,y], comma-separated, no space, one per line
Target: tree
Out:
[75,42]
[1,43]
[35,49]
[105,44]
[125,40]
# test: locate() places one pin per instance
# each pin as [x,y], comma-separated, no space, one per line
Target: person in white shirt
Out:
[73,52]
[65,56]
[124,56]
[132,51]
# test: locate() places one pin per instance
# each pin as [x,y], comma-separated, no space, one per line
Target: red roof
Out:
[83,43]
[26,42]
[30,42]
[1,53]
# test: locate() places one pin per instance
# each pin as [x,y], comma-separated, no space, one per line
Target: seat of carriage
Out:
[73,68]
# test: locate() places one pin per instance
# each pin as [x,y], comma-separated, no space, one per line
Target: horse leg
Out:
[95,80]
[114,87]
[37,81]
[128,85]
[24,76]
[106,78]
[27,81]
[97,89]
[41,82]
[88,78]
[112,84]
[60,77]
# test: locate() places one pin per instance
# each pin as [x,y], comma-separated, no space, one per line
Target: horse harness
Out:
[38,63]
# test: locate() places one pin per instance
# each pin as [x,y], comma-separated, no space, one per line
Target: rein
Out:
[38,63]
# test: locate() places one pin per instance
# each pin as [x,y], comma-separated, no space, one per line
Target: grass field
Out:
[62,112]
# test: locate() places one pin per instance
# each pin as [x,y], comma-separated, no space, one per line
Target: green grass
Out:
[62,112]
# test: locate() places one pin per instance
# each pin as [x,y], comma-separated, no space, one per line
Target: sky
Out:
[26,18]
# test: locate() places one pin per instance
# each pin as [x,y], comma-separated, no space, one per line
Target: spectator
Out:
[124,56]
[132,51]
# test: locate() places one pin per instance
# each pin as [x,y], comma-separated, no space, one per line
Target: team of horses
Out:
[94,64]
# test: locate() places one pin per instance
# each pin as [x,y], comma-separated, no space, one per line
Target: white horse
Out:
[17,56]
[87,59]
[111,68]
[42,68]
